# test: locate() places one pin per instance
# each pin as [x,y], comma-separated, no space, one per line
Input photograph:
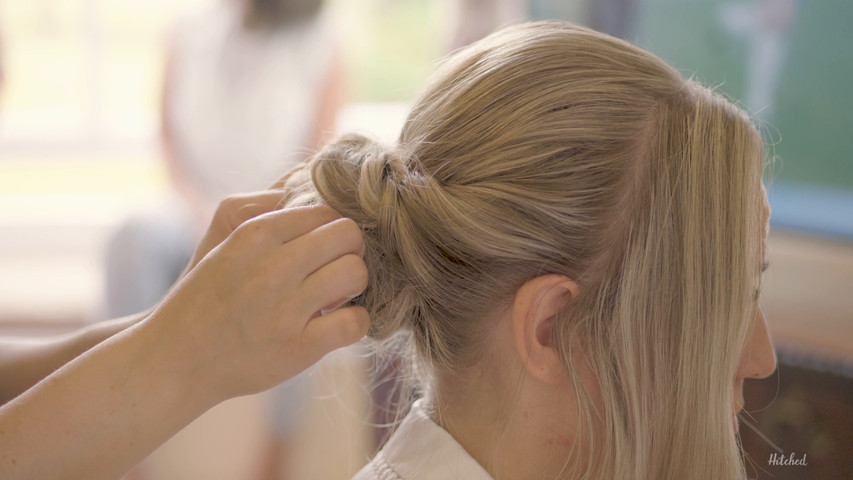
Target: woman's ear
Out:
[534,313]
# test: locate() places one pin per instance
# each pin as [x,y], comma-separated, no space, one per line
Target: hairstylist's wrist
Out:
[101,331]
[178,359]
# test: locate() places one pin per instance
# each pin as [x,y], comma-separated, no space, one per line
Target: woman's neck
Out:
[512,425]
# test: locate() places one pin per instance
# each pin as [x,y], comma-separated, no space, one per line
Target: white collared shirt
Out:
[420,449]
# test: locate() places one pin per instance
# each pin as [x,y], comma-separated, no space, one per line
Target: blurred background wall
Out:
[80,150]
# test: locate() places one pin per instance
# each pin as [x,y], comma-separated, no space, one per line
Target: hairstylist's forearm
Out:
[23,362]
[102,412]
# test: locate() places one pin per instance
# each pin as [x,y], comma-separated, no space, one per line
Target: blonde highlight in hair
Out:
[551,148]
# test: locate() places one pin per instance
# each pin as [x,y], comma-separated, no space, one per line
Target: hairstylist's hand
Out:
[230,214]
[248,313]
[236,209]
[244,319]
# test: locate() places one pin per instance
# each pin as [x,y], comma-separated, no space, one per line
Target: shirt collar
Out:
[422,449]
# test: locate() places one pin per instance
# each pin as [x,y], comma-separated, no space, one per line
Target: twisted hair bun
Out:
[423,263]
[362,180]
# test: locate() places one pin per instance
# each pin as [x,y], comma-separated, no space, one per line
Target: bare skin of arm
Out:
[23,363]
[242,320]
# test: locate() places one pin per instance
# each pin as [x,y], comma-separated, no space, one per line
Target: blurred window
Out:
[787,62]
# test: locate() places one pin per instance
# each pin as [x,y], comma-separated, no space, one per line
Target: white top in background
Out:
[242,104]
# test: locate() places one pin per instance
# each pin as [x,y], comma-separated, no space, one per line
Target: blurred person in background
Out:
[474,19]
[251,87]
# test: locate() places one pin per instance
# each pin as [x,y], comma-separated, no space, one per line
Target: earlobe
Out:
[534,314]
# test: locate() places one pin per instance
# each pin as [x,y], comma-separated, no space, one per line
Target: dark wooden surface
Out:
[806,408]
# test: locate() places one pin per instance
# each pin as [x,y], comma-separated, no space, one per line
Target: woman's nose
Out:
[759,359]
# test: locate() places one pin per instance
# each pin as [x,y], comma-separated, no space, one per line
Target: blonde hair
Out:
[551,148]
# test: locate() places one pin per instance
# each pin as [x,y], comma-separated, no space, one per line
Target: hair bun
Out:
[358,177]
[362,179]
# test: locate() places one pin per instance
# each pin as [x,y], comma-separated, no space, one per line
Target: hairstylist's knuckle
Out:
[357,323]
[349,234]
[250,232]
[222,215]
[265,221]
[325,212]
[352,325]
[244,213]
[228,205]
[355,271]
[236,210]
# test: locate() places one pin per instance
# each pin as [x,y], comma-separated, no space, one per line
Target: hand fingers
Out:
[231,213]
[283,226]
[338,281]
[335,330]
[324,244]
